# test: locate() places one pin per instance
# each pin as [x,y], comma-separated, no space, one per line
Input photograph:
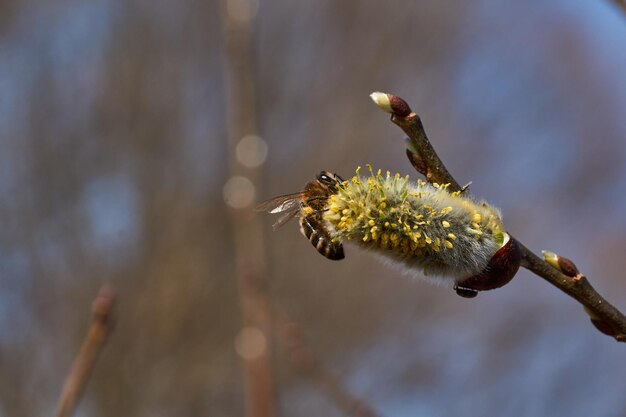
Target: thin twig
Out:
[84,362]
[419,150]
[304,361]
[604,316]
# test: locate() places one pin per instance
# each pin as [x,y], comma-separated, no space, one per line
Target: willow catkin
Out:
[422,226]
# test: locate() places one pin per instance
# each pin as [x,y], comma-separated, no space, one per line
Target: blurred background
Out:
[136,136]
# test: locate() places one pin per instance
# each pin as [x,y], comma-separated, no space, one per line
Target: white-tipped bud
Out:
[382,101]
[561,264]
[551,258]
[391,104]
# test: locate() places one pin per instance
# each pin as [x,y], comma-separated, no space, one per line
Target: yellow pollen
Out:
[448,244]
[445,224]
[451,236]
[476,217]
[371,222]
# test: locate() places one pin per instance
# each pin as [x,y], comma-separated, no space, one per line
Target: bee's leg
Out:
[465,292]
[314,231]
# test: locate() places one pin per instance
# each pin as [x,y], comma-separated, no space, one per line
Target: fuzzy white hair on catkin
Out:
[424,228]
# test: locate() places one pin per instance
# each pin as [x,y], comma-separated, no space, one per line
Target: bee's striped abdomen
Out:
[317,235]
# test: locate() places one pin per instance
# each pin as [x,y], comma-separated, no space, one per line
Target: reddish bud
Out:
[561,264]
[568,267]
[399,106]
[499,271]
[391,104]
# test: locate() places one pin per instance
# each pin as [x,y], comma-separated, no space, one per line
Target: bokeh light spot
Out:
[242,10]
[251,151]
[239,192]
[250,343]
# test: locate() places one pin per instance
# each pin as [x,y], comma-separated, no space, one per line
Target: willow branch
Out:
[560,272]
[84,362]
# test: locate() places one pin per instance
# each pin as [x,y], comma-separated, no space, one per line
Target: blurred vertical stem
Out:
[254,340]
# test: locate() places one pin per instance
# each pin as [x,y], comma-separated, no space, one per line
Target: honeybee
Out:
[309,205]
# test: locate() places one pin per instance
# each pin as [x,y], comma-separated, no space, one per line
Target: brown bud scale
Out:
[567,267]
[398,106]
[501,269]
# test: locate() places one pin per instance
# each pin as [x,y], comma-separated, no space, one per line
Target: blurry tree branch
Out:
[303,360]
[253,342]
[84,362]
[558,271]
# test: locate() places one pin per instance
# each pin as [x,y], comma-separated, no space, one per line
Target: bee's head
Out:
[329,180]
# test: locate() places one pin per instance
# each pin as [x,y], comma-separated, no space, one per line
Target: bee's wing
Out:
[288,204]
[280,203]
[286,217]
